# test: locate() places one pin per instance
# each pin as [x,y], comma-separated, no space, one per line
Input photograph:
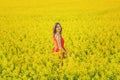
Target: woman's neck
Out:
[58,33]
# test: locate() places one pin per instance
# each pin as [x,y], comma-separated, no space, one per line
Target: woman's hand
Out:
[63,50]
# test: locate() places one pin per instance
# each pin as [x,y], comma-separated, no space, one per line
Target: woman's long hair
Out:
[54,28]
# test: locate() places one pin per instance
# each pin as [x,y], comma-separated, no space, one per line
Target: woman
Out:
[58,41]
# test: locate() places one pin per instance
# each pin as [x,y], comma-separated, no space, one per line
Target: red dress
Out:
[56,48]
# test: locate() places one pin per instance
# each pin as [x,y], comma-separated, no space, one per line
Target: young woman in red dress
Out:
[58,41]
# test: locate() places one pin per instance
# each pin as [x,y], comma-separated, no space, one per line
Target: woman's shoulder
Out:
[57,36]
[54,36]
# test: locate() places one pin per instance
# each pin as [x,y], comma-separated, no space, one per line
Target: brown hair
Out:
[54,28]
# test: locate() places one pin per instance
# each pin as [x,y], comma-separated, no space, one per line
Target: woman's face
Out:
[58,28]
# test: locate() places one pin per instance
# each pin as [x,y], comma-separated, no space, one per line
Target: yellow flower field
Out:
[91,30]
